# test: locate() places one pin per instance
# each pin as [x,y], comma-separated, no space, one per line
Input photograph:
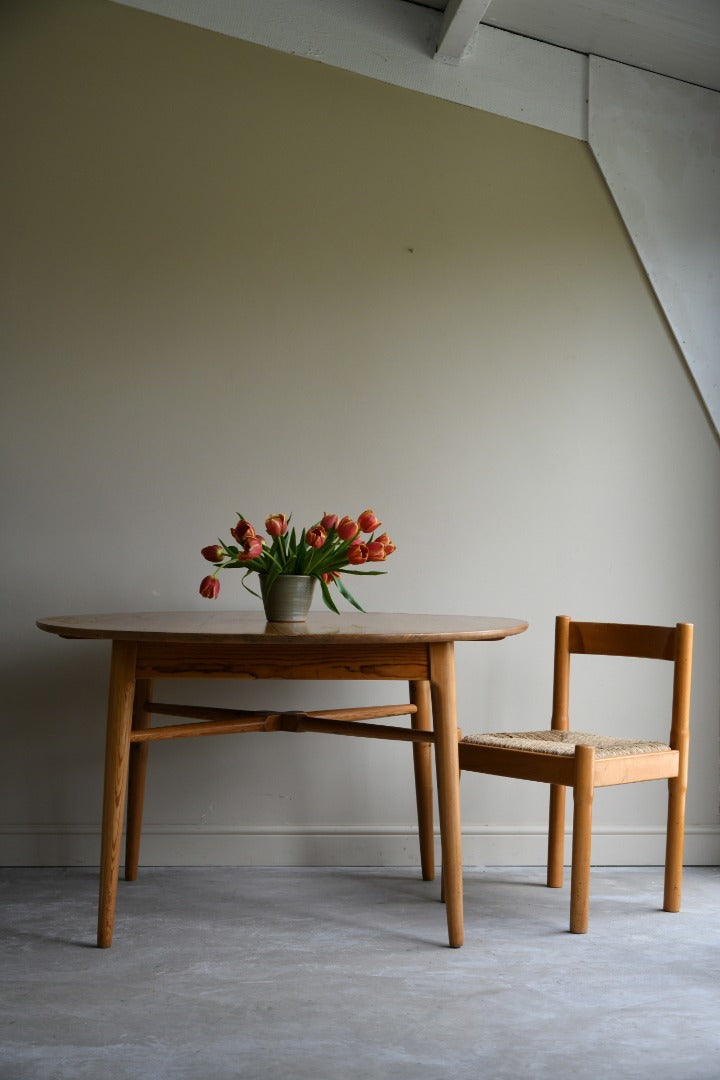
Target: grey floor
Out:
[345,973]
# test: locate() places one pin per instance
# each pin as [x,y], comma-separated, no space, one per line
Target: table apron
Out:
[176,660]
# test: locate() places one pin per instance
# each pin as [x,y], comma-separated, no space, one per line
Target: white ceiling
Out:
[677,38]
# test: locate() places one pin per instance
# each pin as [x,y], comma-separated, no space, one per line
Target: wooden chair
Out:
[565,758]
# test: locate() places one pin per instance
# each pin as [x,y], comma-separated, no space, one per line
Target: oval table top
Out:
[248,627]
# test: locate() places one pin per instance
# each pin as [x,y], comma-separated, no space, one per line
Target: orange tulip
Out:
[276,524]
[347,528]
[357,554]
[387,542]
[316,536]
[368,522]
[376,551]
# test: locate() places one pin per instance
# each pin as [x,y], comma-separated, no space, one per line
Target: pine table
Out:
[151,646]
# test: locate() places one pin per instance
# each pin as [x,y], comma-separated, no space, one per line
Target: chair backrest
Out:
[673,643]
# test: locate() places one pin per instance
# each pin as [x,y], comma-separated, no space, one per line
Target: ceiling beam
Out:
[502,73]
[459,23]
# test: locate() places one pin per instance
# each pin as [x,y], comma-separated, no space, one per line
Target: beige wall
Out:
[241,280]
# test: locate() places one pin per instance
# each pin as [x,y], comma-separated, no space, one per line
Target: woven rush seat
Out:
[563,743]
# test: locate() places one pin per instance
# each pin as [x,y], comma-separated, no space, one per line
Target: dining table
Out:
[148,647]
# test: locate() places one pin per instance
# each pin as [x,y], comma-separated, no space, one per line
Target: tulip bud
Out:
[214,553]
[330,576]
[329,521]
[357,554]
[368,521]
[347,528]
[316,536]
[209,587]
[276,525]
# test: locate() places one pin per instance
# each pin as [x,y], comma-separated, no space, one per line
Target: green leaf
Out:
[327,598]
[247,586]
[362,573]
[301,556]
[348,595]
[272,561]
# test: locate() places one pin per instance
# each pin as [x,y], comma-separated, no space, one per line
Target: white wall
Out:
[657,142]
[235,280]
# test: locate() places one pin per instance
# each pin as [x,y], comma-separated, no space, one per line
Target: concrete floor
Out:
[338,974]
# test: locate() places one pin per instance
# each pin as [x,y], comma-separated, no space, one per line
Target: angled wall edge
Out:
[657,143]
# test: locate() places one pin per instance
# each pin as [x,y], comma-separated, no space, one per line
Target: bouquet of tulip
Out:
[320,551]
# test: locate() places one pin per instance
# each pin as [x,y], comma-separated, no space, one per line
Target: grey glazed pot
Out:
[289,598]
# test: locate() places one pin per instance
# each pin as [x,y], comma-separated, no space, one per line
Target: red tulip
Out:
[242,529]
[276,524]
[209,587]
[376,551]
[347,528]
[330,576]
[214,553]
[357,553]
[329,521]
[316,536]
[368,522]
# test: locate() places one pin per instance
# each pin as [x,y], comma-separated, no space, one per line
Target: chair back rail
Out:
[619,639]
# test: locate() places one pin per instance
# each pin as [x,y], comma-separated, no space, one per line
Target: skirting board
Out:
[181,845]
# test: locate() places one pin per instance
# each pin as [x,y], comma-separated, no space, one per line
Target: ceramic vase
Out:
[289,597]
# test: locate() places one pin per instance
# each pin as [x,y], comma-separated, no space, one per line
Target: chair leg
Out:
[583,790]
[674,844]
[556,837]
[136,781]
[422,763]
[442,867]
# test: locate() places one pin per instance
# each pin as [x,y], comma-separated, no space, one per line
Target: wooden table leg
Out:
[422,761]
[136,780]
[117,748]
[444,705]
